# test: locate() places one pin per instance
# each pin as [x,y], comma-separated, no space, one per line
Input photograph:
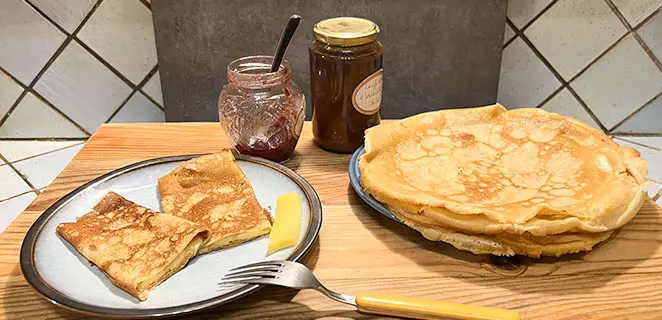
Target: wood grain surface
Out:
[359,250]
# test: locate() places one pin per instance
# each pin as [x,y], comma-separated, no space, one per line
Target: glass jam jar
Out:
[346,81]
[262,112]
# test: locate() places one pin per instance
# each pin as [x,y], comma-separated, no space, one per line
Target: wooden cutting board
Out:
[359,250]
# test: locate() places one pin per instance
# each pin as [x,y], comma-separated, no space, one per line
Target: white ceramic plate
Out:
[58,272]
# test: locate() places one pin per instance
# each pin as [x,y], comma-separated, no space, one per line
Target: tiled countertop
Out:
[27,167]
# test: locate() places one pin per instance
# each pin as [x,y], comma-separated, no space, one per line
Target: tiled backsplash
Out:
[596,60]
[67,66]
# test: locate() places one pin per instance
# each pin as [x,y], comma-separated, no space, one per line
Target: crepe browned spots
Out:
[135,247]
[213,191]
[491,171]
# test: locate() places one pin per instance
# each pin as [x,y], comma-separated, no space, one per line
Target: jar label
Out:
[367,96]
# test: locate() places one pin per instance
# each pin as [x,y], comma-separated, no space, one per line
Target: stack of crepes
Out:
[492,181]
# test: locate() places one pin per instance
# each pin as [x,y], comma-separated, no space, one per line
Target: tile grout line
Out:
[639,144]
[47,152]
[630,29]
[564,84]
[42,139]
[535,18]
[629,134]
[551,96]
[147,4]
[136,90]
[635,112]
[24,178]
[657,195]
[60,49]
[538,15]
[142,84]
[18,195]
[112,115]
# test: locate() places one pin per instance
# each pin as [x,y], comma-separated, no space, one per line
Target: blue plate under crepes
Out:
[354,178]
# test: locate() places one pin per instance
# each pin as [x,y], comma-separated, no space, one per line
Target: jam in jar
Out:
[346,81]
[261,111]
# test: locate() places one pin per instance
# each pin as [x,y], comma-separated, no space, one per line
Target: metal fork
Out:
[297,276]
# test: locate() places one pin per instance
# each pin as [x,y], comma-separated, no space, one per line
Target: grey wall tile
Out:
[647,120]
[520,12]
[139,109]
[12,184]
[13,207]
[82,87]
[121,31]
[42,170]
[34,119]
[19,150]
[620,82]
[636,11]
[153,88]
[438,54]
[9,92]
[66,13]
[572,33]
[651,33]
[27,40]
[566,104]
[525,81]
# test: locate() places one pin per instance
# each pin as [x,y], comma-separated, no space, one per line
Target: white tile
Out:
[12,184]
[139,109]
[153,88]
[619,83]
[653,158]
[651,33]
[121,31]
[524,80]
[654,189]
[572,33]
[27,40]
[636,11]
[652,142]
[508,33]
[42,170]
[565,103]
[32,118]
[10,209]
[82,87]
[19,150]
[647,120]
[66,13]
[520,12]
[9,91]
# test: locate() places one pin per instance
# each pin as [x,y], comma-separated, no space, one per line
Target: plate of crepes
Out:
[502,182]
[153,239]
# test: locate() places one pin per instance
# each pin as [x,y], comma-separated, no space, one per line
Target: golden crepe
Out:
[491,171]
[135,247]
[213,191]
[503,244]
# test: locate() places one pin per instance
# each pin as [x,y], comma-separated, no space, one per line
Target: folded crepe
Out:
[213,191]
[135,247]
[490,171]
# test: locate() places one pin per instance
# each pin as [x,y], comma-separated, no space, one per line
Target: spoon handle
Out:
[285,38]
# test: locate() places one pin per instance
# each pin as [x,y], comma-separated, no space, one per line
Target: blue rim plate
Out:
[355,179]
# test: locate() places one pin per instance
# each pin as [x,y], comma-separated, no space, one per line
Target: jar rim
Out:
[255,72]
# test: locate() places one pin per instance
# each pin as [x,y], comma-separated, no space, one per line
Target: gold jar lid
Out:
[346,31]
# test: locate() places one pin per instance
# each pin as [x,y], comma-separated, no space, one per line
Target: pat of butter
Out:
[285,231]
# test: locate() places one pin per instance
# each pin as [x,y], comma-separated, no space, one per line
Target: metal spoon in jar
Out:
[285,38]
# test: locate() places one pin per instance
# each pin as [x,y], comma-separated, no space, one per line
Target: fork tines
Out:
[251,273]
